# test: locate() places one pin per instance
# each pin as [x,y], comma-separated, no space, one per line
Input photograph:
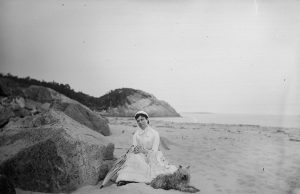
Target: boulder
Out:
[5,115]
[108,154]
[43,94]
[105,167]
[50,152]
[38,99]
[72,108]
[11,107]
[85,116]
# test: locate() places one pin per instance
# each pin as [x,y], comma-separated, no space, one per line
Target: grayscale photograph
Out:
[149,96]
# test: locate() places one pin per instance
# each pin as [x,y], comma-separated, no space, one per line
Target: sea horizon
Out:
[242,113]
[268,120]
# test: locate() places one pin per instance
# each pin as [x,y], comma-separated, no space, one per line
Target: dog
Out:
[179,180]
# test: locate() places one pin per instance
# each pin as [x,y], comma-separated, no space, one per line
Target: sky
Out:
[233,56]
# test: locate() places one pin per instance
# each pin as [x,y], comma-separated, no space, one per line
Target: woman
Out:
[145,161]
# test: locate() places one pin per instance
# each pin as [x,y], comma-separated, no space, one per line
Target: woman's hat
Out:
[141,113]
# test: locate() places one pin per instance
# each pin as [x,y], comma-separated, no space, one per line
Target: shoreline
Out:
[275,121]
[157,121]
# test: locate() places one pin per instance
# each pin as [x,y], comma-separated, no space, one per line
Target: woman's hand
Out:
[139,149]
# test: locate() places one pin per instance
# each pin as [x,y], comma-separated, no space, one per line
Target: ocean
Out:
[288,121]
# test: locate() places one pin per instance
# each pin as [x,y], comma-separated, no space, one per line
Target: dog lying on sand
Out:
[179,180]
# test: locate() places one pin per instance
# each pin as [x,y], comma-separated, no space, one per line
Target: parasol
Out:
[118,165]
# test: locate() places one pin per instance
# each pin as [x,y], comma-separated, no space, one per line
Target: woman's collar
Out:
[142,131]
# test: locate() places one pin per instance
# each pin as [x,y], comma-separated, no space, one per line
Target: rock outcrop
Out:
[21,102]
[85,116]
[51,152]
[49,142]
[126,102]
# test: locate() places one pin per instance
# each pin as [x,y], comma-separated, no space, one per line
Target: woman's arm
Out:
[156,141]
[134,141]
[137,149]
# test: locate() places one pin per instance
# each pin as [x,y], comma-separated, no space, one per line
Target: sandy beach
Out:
[233,159]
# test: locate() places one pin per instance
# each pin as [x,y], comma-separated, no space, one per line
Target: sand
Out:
[233,159]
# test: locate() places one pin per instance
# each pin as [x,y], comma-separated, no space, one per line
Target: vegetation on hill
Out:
[113,98]
[64,89]
[118,97]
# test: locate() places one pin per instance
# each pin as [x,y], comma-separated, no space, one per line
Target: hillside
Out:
[126,102]
[65,89]
[119,102]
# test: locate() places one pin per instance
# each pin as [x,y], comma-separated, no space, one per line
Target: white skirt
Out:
[141,168]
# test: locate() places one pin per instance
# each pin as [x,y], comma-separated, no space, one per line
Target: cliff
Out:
[125,102]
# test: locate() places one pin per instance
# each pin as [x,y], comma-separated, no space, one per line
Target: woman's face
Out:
[142,122]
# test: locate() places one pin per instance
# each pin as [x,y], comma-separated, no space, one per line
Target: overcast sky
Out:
[230,56]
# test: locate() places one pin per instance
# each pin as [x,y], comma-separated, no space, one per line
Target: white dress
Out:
[143,168]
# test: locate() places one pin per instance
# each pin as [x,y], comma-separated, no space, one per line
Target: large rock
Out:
[43,94]
[15,107]
[50,152]
[72,108]
[12,107]
[126,102]
[85,116]
[5,115]
[37,99]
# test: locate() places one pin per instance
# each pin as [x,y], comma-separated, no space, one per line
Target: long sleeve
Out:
[155,141]
[134,141]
